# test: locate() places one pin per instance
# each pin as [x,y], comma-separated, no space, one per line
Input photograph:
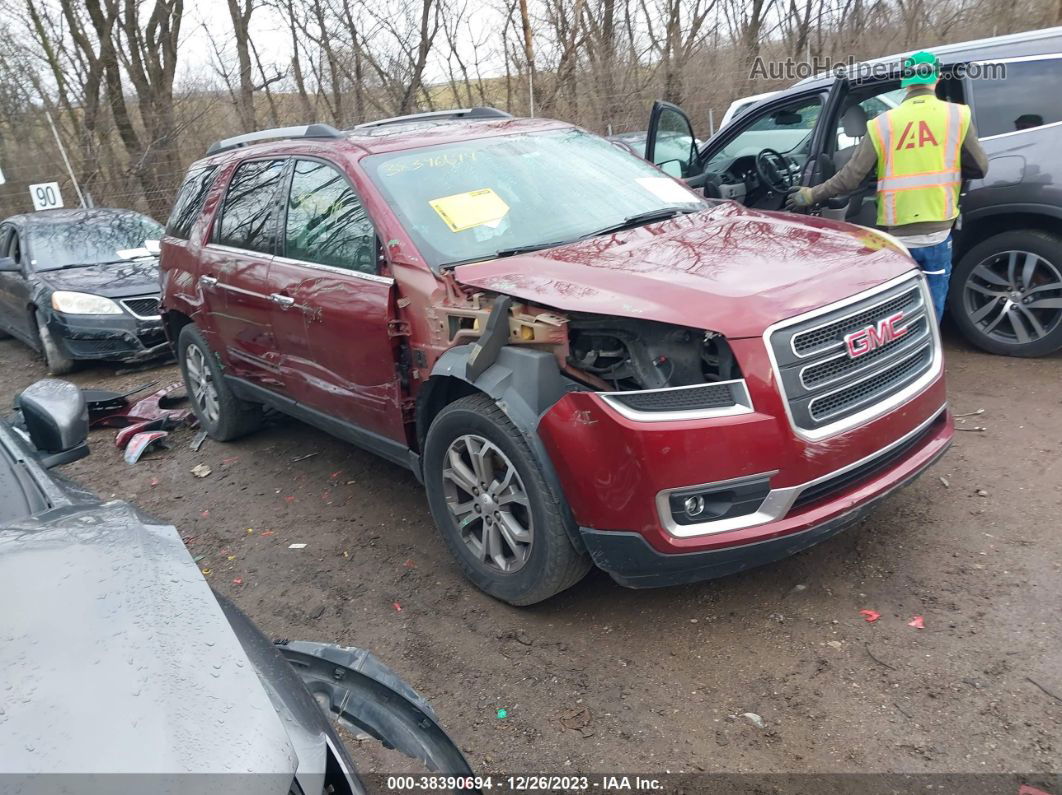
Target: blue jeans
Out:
[935,262]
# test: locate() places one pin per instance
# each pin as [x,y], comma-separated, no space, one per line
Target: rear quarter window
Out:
[189,202]
[1017,95]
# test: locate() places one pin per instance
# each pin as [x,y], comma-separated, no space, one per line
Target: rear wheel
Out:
[57,362]
[220,413]
[493,505]
[1006,294]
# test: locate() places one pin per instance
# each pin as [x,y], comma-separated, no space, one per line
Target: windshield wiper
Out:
[512,252]
[641,219]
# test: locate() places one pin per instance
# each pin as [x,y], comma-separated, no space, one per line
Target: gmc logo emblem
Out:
[860,343]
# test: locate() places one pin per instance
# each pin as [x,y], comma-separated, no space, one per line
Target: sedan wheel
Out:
[487,500]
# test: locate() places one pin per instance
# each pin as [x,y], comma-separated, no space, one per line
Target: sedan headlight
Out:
[83,304]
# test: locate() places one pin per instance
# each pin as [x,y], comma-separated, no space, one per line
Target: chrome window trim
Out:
[907,347]
[369,277]
[742,406]
[778,502]
[126,307]
[246,252]
[839,305]
[887,405]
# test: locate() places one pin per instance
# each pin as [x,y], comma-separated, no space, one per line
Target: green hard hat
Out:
[920,69]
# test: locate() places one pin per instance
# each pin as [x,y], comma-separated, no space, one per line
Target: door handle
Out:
[208,281]
[283,300]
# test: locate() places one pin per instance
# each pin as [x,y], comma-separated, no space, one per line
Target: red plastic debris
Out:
[1025,789]
[397,607]
[232,459]
[870,615]
[238,581]
[290,498]
[336,474]
[154,482]
[205,514]
[409,564]
[918,622]
[266,533]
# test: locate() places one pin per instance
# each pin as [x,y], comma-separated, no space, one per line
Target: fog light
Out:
[694,505]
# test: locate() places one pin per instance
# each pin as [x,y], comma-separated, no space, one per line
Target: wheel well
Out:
[991,225]
[439,392]
[172,322]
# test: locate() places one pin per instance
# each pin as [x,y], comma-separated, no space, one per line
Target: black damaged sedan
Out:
[82,284]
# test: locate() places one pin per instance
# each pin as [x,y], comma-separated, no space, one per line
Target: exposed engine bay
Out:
[628,354]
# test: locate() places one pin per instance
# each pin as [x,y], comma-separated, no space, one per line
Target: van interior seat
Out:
[854,124]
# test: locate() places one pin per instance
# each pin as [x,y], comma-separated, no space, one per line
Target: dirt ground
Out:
[603,679]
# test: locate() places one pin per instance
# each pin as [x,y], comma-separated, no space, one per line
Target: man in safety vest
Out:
[922,149]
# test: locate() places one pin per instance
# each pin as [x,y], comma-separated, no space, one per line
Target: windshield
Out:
[91,240]
[473,199]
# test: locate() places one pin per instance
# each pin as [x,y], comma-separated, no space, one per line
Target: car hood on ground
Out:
[114,280]
[728,269]
[125,661]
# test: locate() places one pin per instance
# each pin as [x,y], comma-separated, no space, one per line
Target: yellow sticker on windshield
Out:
[463,211]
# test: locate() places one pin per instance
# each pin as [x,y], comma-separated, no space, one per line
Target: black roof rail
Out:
[301,131]
[440,115]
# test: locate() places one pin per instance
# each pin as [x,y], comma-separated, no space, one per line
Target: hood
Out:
[113,280]
[117,658]
[728,269]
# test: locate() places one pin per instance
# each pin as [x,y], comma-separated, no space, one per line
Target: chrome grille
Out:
[143,306]
[824,385]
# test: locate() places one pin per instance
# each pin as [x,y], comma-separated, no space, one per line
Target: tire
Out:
[1006,294]
[55,360]
[548,563]
[220,413]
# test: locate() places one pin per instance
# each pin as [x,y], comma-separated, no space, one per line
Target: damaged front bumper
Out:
[763,492]
[124,338]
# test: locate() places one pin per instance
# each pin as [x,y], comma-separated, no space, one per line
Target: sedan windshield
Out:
[91,240]
[491,197]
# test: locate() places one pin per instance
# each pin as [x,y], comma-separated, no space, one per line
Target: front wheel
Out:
[496,512]
[220,412]
[57,362]
[1006,294]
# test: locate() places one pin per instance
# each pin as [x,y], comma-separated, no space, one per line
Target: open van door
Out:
[819,166]
[670,144]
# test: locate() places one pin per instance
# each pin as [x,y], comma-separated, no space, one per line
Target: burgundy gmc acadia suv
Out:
[582,359]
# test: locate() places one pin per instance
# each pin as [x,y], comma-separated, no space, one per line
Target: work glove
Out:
[798,199]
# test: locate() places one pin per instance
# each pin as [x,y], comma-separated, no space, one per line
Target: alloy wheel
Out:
[488,502]
[1014,297]
[204,392]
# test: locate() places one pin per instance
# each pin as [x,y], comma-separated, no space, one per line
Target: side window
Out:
[674,149]
[189,201]
[326,220]
[248,215]
[1016,95]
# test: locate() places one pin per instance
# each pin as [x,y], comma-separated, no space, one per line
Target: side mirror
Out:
[8,265]
[56,418]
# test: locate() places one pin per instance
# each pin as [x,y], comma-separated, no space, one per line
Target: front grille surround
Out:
[825,391]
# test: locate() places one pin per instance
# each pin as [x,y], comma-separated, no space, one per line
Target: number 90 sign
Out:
[46,196]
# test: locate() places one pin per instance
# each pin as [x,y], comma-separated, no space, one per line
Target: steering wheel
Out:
[773,169]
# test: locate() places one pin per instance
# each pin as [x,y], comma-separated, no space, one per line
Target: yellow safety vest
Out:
[918,146]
